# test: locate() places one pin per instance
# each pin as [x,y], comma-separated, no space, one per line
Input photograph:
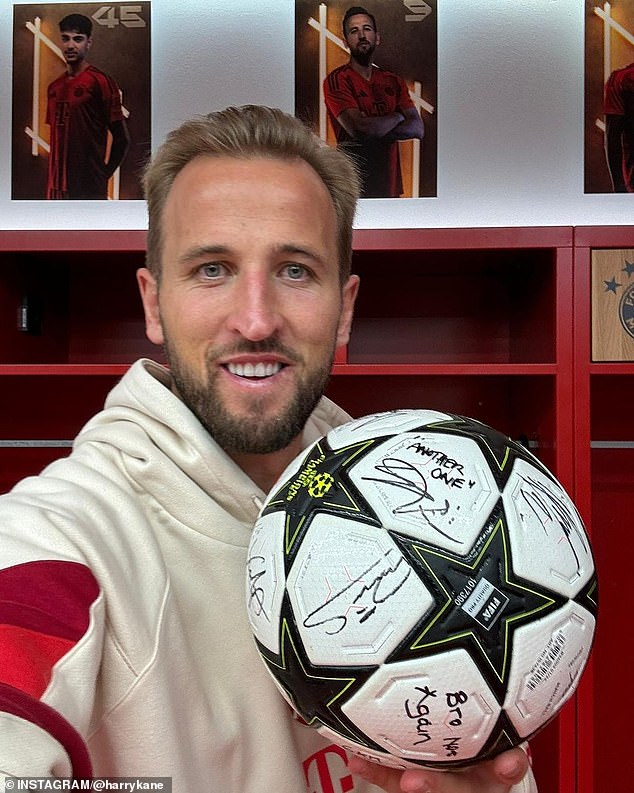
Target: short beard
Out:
[249,434]
[363,58]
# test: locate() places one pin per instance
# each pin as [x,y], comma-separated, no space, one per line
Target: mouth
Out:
[254,371]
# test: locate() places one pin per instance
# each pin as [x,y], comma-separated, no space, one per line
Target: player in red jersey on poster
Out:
[83,105]
[370,109]
[619,128]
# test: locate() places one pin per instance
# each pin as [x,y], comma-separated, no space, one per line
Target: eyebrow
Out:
[303,250]
[198,252]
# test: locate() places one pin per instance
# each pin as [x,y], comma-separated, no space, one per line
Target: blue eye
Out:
[212,270]
[296,271]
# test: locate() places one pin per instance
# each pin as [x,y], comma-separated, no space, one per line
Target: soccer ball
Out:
[421,589]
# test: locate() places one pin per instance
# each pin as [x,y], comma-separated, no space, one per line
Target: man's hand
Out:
[493,776]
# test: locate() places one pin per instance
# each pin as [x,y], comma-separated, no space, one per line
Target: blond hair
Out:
[244,132]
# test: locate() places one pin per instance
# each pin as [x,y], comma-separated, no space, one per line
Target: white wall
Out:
[510,109]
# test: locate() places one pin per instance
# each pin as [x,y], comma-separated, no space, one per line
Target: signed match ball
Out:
[421,589]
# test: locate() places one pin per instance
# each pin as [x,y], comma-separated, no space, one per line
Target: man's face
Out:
[361,38]
[75,46]
[250,307]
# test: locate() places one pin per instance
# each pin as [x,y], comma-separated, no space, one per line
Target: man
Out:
[126,646]
[84,104]
[370,109]
[619,128]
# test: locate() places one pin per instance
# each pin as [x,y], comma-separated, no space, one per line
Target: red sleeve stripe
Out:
[36,712]
[44,612]
[333,80]
[51,597]
[27,658]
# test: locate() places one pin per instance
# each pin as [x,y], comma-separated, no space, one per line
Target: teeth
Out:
[258,370]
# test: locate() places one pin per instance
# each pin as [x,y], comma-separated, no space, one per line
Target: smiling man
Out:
[126,648]
[250,310]
[84,105]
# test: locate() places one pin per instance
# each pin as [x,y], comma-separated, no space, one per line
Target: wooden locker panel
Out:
[613,305]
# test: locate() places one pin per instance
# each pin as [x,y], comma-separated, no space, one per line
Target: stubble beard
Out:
[363,58]
[253,432]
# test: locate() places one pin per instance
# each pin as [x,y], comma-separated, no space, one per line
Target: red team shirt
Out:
[384,93]
[619,101]
[79,112]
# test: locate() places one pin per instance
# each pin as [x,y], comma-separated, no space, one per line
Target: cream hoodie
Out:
[126,646]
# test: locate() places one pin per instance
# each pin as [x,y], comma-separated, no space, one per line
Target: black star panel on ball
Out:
[478,603]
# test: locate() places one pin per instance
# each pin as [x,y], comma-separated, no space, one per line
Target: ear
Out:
[149,295]
[348,297]
[378,38]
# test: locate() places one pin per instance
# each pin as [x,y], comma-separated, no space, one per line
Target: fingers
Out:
[510,767]
[493,776]
[386,778]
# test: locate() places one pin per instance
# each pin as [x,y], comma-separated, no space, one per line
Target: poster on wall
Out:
[609,96]
[81,100]
[366,80]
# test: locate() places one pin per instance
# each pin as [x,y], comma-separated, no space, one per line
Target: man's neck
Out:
[74,69]
[266,469]
[364,71]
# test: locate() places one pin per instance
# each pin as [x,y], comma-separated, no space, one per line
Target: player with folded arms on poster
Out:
[370,109]
[619,128]
[84,104]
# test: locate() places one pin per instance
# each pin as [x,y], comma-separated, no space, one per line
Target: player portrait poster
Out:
[609,96]
[120,49]
[408,48]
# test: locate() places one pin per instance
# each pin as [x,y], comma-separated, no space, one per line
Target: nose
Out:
[254,313]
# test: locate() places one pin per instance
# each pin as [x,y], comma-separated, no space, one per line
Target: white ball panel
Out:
[433,487]
[376,425]
[353,594]
[548,540]
[265,579]
[548,658]
[369,754]
[429,710]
